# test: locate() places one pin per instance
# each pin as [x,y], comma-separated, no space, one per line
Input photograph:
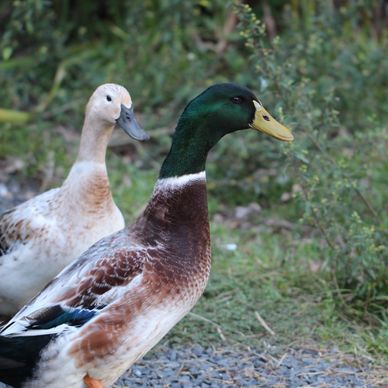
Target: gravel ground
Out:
[227,367]
[196,366]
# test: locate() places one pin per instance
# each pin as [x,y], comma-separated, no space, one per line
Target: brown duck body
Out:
[148,276]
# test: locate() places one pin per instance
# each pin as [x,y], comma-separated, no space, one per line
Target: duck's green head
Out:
[219,110]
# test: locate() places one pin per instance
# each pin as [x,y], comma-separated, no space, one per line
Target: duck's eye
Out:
[109,98]
[237,99]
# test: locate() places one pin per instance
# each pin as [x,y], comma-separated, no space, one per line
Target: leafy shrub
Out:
[55,53]
[163,57]
[338,172]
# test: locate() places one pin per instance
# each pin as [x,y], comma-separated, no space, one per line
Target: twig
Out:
[13,116]
[220,333]
[318,224]
[281,359]
[58,78]
[269,20]
[229,26]
[263,323]
[218,327]
[366,202]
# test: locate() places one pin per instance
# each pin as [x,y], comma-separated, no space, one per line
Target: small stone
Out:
[173,355]
[197,350]
[185,378]
[137,372]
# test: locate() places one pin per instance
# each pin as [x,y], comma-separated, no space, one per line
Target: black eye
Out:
[109,98]
[237,100]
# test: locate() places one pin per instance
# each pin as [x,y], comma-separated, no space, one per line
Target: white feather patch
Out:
[178,181]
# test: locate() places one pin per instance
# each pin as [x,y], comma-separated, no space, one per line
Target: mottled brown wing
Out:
[107,274]
[95,278]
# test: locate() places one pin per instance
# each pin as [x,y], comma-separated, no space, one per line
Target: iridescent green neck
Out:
[189,150]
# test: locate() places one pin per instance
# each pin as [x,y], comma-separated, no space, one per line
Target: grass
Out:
[269,274]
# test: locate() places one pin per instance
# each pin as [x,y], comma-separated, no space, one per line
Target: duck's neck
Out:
[189,150]
[94,140]
[87,181]
[179,202]
[177,213]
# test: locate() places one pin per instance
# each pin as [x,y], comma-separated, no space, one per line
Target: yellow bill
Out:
[264,122]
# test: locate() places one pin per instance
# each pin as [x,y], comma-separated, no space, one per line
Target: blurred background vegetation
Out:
[299,230]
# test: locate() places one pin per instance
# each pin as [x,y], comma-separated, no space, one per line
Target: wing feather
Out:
[22,223]
[109,272]
[98,277]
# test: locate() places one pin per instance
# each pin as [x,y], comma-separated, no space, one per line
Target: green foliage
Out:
[342,202]
[56,53]
[338,176]
[141,44]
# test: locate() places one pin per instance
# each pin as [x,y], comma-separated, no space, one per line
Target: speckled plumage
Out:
[40,237]
[140,281]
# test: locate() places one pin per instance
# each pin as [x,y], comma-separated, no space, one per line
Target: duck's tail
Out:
[20,352]
[18,357]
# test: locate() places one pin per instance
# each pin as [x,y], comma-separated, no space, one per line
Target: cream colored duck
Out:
[40,237]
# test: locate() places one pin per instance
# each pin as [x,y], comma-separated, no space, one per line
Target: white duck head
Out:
[112,104]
